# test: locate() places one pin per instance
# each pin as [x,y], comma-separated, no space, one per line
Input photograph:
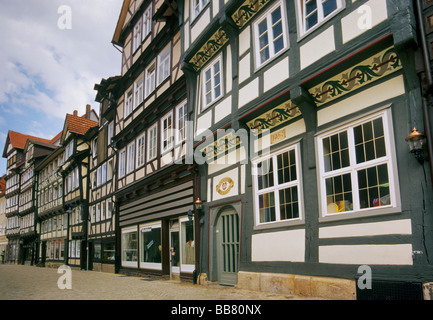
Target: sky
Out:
[52,53]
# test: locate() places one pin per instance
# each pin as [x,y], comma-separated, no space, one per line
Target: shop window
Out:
[187,245]
[129,248]
[356,167]
[278,187]
[108,251]
[150,244]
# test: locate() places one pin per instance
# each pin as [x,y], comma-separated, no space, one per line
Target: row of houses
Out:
[262,144]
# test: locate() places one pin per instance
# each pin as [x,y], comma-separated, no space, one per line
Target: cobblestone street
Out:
[18,282]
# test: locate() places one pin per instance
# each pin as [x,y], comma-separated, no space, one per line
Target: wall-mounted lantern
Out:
[415,141]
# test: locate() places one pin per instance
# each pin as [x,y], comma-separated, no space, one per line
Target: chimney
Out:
[75,113]
[88,109]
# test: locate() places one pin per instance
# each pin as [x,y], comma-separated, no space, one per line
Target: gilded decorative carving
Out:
[370,70]
[225,185]
[247,11]
[212,46]
[221,146]
[281,114]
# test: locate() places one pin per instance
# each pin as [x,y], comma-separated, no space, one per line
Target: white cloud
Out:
[49,70]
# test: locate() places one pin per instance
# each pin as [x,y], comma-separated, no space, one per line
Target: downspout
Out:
[425,95]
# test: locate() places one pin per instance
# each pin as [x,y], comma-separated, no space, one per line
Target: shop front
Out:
[158,233]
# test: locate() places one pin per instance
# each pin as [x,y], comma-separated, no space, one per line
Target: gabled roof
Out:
[18,141]
[76,124]
[121,22]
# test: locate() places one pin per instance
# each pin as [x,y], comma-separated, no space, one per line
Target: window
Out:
[164,65]
[141,150]
[138,91]
[150,80]
[356,167]
[109,209]
[150,255]
[314,12]
[188,245]
[181,122]
[136,41]
[270,34]
[103,210]
[152,139]
[129,247]
[131,157]
[110,132]
[128,104]
[99,176]
[110,170]
[104,173]
[167,132]
[147,22]
[212,82]
[98,212]
[122,163]
[197,6]
[277,187]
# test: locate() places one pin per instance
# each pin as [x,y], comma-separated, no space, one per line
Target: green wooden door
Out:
[228,247]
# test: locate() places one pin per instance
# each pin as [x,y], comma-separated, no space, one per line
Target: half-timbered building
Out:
[52,219]
[76,183]
[155,188]
[102,228]
[22,152]
[301,109]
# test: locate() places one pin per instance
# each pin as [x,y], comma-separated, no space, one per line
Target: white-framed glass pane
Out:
[130,247]
[150,244]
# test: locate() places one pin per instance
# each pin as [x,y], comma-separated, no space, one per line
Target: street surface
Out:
[18,282]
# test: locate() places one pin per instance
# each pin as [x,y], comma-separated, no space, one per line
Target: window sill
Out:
[360,214]
[279,224]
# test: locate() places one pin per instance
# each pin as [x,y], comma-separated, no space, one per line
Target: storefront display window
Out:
[129,248]
[188,245]
[151,246]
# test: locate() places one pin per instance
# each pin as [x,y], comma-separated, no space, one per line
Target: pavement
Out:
[22,282]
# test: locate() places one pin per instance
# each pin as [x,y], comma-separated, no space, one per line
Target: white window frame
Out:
[210,68]
[122,162]
[138,91]
[150,79]
[163,65]
[110,132]
[197,7]
[167,132]
[181,124]
[109,213]
[353,168]
[152,146]
[301,13]
[136,36]
[277,187]
[147,22]
[129,263]
[130,157]
[268,15]
[128,103]
[141,150]
[149,265]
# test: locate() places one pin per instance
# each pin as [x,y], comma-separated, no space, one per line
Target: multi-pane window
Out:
[122,163]
[110,132]
[141,150]
[128,104]
[167,132]
[181,122]
[197,6]
[138,91]
[277,187]
[150,80]
[147,22]
[152,139]
[356,167]
[212,82]
[164,65]
[313,12]
[136,36]
[130,157]
[270,34]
